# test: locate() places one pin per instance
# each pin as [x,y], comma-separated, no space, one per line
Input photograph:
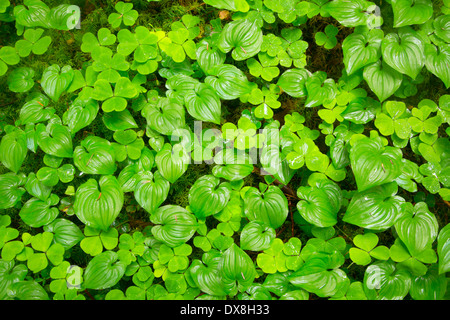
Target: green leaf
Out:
[165,116]
[174,225]
[377,208]
[11,190]
[430,286]
[350,13]
[256,236]
[382,79]
[417,228]
[95,155]
[237,269]
[98,204]
[125,14]
[56,80]
[404,51]
[203,104]
[21,79]
[80,114]
[151,190]
[443,249]
[408,12]
[55,139]
[320,203]
[172,162]
[13,149]
[104,271]
[437,60]
[320,89]
[374,164]
[208,197]
[361,49]
[37,213]
[383,281]
[229,81]
[241,36]
[269,207]
[293,81]
[209,55]
[66,232]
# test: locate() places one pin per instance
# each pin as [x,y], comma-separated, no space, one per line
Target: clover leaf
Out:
[96,239]
[125,14]
[366,247]
[33,42]
[328,37]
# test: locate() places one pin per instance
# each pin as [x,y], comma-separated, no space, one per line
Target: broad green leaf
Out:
[241,36]
[11,189]
[293,81]
[165,116]
[97,205]
[37,213]
[151,190]
[382,79]
[377,208]
[95,155]
[174,225]
[383,281]
[404,52]
[237,269]
[408,12]
[443,249]
[361,49]
[374,164]
[27,290]
[203,104]
[437,60]
[64,17]
[256,236]
[103,271]
[122,120]
[13,149]
[320,276]
[320,203]
[21,79]
[321,90]
[350,13]
[417,228]
[66,232]
[35,110]
[55,139]
[233,5]
[209,56]
[80,114]
[172,162]
[56,80]
[10,273]
[33,13]
[442,27]
[229,81]
[208,196]
[269,207]
[431,286]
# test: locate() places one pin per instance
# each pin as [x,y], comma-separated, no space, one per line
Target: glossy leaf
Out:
[97,204]
[95,155]
[172,162]
[269,207]
[103,271]
[377,208]
[151,190]
[13,149]
[443,249]
[408,12]
[382,79]
[174,225]
[56,80]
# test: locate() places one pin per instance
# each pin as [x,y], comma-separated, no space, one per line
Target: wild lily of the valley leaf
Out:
[95,155]
[382,79]
[443,249]
[172,161]
[269,207]
[55,139]
[97,204]
[374,164]
[229,81]
[103,271]
[151,190]
[11,189]
[293,81]
[208,196]
[377,208]
[242,37]
[13,149]
[56,80]
[409,12]
[165,116]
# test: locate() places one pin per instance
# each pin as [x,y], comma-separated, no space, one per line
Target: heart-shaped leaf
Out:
[95,155]
[243,37]
[256,236]
[203,104]
[377,208]
[80,114]
[383,281]
[151,190]
[404,51]
[13,149]
[374,164]
[209,56]
[172,162]
[293,81]
[97,205]
[55,139]
[174,225]
[320,203]
[37,213]
[382,79]
[229,81]
[10,189]
[437,60]
[443,249]
[269,207]
[208,196]
[103,271]
[361,49]
[165,116]
[21,79]
[408,12]
[56,80]
[417,228]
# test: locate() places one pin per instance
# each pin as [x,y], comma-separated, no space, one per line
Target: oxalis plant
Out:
[206,156]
